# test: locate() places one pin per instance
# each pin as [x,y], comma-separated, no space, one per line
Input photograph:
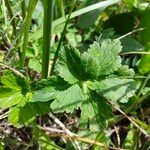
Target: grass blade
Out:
[31,7]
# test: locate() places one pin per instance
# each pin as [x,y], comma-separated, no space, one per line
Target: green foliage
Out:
[144,65]
[15,94]
[91,83]
[13,89]
[131,139]
[86,76]
[45,142]
[144,36]
[35,65]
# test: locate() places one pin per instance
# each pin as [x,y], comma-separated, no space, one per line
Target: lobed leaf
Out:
[118,90]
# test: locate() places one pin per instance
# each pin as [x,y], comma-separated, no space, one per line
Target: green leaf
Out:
[66,74]
[68,100]
[129,45]
[11,80]
[73,38]
[104,57]
[93,119]
[99,60]
[9,98]
[35,65]
[24,115]
[125,71]
[88,19]
[115,89]
[45,94]
[103,138]
[48,144]
[144,35]
[144,65]
[13,89]
[49,89]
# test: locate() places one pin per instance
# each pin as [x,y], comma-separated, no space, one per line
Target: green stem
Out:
[143,84]
[61,39]
[23,9]
[31,7]
[10,12]
[61,7]
[47,28]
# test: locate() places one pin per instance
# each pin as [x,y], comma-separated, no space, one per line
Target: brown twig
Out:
[131,120]
[75,143]
[85,140]
[12,69]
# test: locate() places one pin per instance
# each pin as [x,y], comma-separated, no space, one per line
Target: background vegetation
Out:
[74,74]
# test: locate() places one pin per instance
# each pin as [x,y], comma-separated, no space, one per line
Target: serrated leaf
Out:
[125,71]
[49,89]
[93,119]
[66,75]
[13,89]
[68,100]
[115,89]
[10,99]
[104,57]
[45,94]
[10,80]
[99,60]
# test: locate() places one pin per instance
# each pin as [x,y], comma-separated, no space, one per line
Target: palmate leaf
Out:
[99,60]
[91,78]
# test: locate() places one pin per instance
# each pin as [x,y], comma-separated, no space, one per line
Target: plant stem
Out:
[143,84]
[23,9]
[4,12]
[61,7]
[61,39]
[31,7]
[47,28]
[10,12]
